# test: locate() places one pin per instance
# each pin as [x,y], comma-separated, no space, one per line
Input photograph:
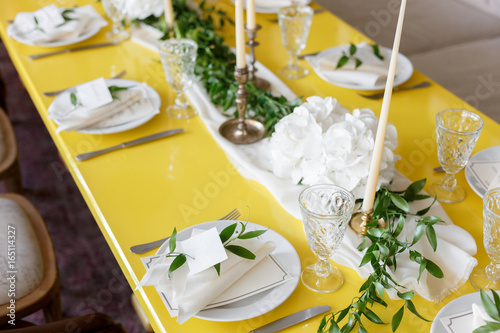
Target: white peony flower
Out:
[321,142]
[140,9]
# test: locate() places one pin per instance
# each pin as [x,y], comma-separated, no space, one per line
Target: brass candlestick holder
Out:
[252,78]
[360,220]
[242,130]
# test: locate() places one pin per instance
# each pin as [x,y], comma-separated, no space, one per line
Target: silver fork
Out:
[143,248]
[57,92]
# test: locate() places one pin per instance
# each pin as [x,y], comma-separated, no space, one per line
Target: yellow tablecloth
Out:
[140,194]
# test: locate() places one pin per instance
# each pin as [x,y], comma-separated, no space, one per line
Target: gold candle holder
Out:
[360,220]
[252,43]
[242,130]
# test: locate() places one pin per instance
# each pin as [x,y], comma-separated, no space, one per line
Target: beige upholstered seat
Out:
[28,276]
[10,172]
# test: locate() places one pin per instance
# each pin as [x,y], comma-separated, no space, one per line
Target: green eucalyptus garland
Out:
[215,62]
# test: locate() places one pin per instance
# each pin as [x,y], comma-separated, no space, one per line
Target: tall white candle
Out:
[251,14]
[240,34]
[169,13]
[371,186]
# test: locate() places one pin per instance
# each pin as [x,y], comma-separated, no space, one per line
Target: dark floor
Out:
[91,280]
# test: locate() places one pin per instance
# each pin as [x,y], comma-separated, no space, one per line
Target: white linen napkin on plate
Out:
[455,246]
[83,17]
[190,293]
[373,71]
[129,105]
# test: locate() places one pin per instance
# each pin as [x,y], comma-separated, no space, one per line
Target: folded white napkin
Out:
[372,72]
[190,293]
[479,316]
[455,246]
[146,36]
[129,105]
[84,18]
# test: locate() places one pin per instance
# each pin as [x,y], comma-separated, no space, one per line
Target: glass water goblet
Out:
[326,211]
[178,57]
[294,22]
[115,10]
[457,132]
[489,277]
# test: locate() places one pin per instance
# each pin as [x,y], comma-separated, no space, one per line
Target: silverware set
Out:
[80,48]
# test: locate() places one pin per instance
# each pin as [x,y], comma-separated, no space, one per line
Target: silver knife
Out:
[292,319]
[139,141]
[81,48]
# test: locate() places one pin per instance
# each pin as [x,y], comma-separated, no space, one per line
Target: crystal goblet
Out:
[294,22]
[178,57]
[489,277]
[115,10]
[457,132]
[326,211]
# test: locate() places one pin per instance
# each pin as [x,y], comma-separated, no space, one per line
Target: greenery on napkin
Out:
[64,15]
[227,236]
[215,62]
[112,90]
[352,55]
[382,249]
[492,308]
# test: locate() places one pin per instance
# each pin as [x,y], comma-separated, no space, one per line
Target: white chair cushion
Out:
[28,259]
[428,24]
[469,70]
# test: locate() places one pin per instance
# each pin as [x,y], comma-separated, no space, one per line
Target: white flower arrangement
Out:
[140,9]
[321,142]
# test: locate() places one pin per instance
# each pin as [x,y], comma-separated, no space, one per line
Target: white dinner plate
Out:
[480,170]
[265,301]
[459,305]
[152,95]
[92,28]
[272,7]
[404,70]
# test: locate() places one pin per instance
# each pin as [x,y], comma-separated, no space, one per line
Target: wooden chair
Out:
[3,95]
[10,172]
[91,323]
[34,262]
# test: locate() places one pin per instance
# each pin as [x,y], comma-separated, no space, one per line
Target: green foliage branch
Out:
[215,62]
[382,249]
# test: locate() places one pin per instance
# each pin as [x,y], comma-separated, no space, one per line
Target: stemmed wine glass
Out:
[457,132]
[489,277]
[294,22]
[326,211]
[178,57]
[115,10]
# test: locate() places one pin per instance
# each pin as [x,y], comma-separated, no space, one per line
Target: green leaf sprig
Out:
[352,52]
[64,15]
[112,90]
[492,308]
[67,18]
[215,62]
[382,249]
[227,236]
